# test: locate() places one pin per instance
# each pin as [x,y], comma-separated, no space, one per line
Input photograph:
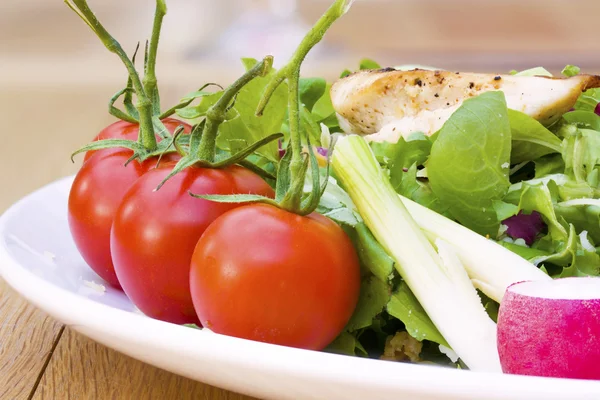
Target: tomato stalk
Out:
[293,167]
[150,81]
[292,196]
[132,115]
[144,103]
[203,140]
[218,112]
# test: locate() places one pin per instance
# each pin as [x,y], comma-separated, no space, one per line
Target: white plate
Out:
[39,260]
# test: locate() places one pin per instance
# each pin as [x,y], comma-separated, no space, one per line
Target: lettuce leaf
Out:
[405,306]
[530,139]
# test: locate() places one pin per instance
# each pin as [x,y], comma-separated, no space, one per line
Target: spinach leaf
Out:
[311,90]
[469,163]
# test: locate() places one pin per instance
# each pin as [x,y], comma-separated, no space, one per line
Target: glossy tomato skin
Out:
[265,274]
[97,191]
[155,232]
[95,195]
[129,131]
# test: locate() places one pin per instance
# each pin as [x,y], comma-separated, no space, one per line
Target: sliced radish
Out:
[551,328]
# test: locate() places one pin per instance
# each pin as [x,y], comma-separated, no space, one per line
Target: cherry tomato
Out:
[127,130]
[265,274]
[154,234]
[97,191]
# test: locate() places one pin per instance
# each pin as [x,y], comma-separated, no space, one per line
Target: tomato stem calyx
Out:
[146,111]
[203,139]
[216,114]
[295,164]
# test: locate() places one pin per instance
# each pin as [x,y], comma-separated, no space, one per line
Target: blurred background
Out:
[56,78]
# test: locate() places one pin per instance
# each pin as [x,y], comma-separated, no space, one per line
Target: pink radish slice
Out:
[551,328]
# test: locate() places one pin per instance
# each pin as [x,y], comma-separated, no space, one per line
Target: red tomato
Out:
[97,192]
[265,274]
[155,232]
[127,130]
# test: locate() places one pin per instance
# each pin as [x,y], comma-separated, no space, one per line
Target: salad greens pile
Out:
[441,224]
[243,127]
[531,188]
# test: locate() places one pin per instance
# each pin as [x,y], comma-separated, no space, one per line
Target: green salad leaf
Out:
[311,91]
[470,159]
[367,63]
[346,344]
[583,119]
[246,127]
[537,71]
[405,306]
[324,113]
[419,190]
[570,70]
[372,256]
[530,139]
[548,165]
[542,198]
[581,153]
[406,152]
[584,214]
[588,100]
[207,100]
[374,296]
[527,253]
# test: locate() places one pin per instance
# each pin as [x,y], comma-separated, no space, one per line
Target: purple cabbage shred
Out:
[320,150]
[525,226]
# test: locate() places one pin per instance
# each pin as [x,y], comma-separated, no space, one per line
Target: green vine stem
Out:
[150,82]
[291,73]
[144,103]
[115,112]
[203,138]
[293,167]
[217,113]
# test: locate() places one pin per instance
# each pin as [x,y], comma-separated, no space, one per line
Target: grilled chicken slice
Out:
[386,104]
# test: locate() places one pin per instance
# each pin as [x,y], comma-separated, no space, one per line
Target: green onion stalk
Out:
[433,272]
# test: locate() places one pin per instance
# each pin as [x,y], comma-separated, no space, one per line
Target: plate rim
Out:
[316,366]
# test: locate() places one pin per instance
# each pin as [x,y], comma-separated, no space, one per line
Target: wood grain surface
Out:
[97,372]
[27,337]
